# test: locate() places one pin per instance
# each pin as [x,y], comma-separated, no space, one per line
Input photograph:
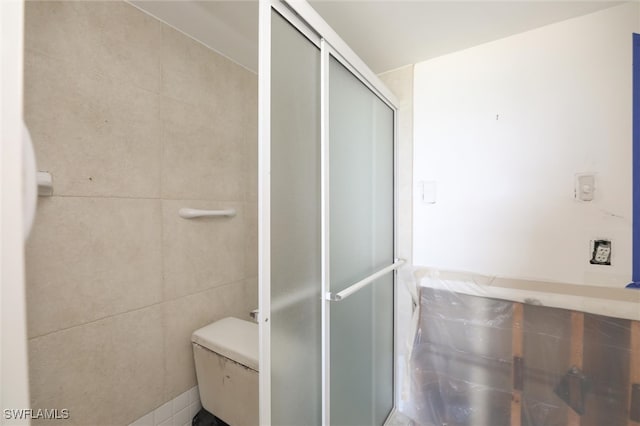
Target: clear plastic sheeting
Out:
[480,361]
[461,360]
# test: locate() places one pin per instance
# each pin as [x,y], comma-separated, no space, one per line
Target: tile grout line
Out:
[163,291]
[171,401]
[90,71]
[125,197]
[137,309]
[160,93]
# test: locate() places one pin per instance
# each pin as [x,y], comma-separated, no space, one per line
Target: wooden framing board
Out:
[634,367]
[576,356]
[517,350]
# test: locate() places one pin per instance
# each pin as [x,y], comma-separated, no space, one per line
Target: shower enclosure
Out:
[327,246]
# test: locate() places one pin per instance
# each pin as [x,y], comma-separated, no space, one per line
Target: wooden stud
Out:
[576,356]
[634,367]
[517,350]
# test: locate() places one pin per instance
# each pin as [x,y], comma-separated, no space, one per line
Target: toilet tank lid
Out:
[231,337]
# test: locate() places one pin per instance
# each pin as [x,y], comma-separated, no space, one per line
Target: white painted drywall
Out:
[503,128]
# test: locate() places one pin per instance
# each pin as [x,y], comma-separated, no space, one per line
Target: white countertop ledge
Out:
[607,301]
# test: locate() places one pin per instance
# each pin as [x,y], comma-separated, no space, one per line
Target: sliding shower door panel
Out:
[295,317]
[326,222]
[361,207]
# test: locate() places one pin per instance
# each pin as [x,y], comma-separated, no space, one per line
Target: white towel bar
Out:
[188,213]
[364,282]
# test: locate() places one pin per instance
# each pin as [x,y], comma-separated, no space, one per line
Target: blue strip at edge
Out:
[635,274]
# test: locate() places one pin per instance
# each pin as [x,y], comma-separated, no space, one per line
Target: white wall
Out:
[504,127]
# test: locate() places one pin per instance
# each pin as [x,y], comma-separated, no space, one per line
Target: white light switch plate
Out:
[585,186]
[429,191]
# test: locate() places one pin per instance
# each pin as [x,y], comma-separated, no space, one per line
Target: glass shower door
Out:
[295,296]
[361,209]
[326,222]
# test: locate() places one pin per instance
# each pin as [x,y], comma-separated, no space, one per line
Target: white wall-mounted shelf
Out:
[189,213]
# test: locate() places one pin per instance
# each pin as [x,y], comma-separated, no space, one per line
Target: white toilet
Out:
[226,358]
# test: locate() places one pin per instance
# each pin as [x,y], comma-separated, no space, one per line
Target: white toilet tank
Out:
[226,358]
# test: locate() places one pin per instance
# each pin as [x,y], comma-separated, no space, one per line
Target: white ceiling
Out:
[391,34]
[386,34]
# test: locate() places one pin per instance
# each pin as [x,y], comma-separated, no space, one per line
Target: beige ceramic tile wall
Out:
[134,120]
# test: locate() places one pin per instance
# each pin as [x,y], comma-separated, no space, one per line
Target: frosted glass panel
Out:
[361,239]
[295,228]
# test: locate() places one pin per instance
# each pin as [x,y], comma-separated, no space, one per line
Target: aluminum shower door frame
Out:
[306,20]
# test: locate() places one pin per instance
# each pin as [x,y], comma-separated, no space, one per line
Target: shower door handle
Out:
[364,282]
